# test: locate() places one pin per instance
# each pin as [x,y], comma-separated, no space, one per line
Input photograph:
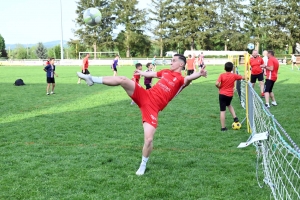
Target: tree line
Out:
[179,25]
[191,24]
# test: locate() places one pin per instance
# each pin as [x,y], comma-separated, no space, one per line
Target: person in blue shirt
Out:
[50,73]
[114,65]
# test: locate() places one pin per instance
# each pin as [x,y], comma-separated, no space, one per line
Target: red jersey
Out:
[272,75]
[85,63]
[47,62]
[190,63]
[227,83]
[136,78]
[169,85]
[255,65]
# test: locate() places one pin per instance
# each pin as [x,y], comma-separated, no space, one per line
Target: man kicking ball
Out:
[152,101]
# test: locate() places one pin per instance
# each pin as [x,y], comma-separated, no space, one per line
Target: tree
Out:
[192,22]
[75,47]
[19,52]
[228,30]
[129,16]
[2,47]
[32,52]
[284,23]
[41,51]
[54,52]
[139,46]
[160,17]
[100,35]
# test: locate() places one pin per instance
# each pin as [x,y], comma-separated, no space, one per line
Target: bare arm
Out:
[218,84]
[194,76]
[146,74]
[270,68]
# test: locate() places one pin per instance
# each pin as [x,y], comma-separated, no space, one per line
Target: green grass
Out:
[85,142]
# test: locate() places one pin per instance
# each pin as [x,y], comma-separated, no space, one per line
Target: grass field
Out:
[85,142]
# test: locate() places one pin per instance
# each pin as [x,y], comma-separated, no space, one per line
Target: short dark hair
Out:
[181,57]
[228,66]
[87,54]
[51,59]
[138,65]
[271,52]
[148,64]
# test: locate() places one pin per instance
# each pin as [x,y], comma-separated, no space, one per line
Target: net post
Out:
[246,89]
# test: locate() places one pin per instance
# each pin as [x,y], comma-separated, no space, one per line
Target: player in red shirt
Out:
[85,66]
[136,77]
[152,101]
[190,65]
[225,83]
[271,77]
[256,71]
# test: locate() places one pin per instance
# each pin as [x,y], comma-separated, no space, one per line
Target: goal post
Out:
[99,54]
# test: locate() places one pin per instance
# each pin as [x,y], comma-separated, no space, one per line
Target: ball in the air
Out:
[236,125]
[92,16]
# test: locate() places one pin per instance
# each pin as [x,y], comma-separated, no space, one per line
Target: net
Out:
[278,156]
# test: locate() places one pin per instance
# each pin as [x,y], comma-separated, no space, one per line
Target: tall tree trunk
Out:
[95,50]
[128,52]
[192,44]
[127,45]
[161,47]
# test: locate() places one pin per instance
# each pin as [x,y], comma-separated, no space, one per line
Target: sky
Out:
[33,21]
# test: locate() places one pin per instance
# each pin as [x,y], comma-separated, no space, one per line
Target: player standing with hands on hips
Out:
[152,101]
[50,72]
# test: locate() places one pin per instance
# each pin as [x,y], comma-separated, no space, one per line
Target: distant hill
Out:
[46,44]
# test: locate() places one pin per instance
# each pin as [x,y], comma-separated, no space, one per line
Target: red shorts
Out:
[142,99]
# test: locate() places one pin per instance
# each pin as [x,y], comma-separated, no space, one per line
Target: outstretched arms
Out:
[196,75]
[146,74]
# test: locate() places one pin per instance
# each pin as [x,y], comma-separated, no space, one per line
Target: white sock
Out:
[144,160]
[97,79]
[267,104]
[142,167]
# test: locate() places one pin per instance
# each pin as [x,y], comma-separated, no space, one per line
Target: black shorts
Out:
[224,101]
[200,66]
[259,77]
[294,63]
[86,71]
[115,69]
[50,80]
[269,84]
[148,86]
[189,72]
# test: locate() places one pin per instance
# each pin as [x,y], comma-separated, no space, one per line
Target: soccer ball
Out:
[236,125]
[92,16]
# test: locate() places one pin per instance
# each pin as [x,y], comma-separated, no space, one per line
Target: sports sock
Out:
[142,167]
[144,160]
[96,79]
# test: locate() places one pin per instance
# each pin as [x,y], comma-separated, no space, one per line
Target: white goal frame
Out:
[98,52]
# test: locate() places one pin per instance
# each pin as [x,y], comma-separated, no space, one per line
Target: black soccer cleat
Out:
[224,129]
[236,119]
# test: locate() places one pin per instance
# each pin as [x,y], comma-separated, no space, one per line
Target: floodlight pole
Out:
[61,41]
